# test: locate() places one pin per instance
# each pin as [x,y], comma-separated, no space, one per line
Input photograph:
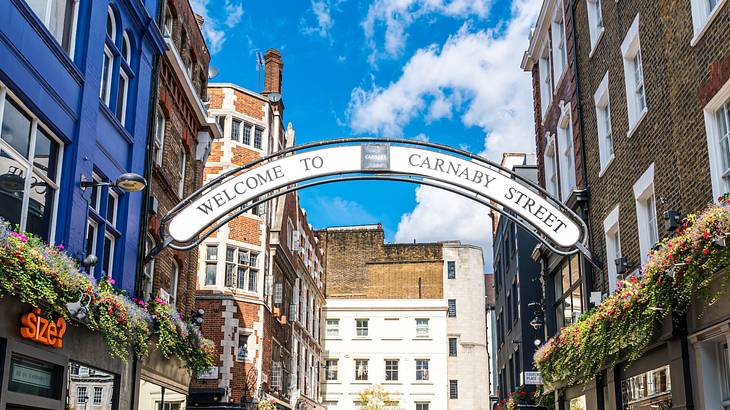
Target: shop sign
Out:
[468,175]
[532,378]
[210,373]
[41,330]
[31,376]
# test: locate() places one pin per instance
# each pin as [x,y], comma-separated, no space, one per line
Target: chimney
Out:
[274,66]
[199,19]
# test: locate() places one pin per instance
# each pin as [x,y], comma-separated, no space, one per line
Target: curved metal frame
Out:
[370,175]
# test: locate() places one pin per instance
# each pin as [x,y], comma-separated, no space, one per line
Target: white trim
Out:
[125,90]
[105,92]
[112,241]
[114,195]
[182,164]
[596,32]
[125,41]
[613,248]
[566,153]
[602,101]
[113,35]
[702,18]
[94,243]
[719,187]
[643,191]
[630,48]
[560,51]
[174,282]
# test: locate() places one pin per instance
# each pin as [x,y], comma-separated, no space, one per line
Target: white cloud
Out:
[478,75]
[397,15]
[214,34]
[421,137]
[340,209]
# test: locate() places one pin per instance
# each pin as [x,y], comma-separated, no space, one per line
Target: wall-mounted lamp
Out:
[128,182]
[672,220]
[537,322]
[537,342]
[622,265]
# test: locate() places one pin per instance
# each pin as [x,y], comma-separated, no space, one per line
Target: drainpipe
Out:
[581,130]
[152,110]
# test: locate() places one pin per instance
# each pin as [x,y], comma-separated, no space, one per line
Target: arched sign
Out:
[458,171]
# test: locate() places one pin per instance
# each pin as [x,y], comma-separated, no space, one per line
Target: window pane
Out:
[108,254]
[246,134]
[230,253]
[211,253]
[12,186]
[121,98]
[111,209]
[40,208]
[257,138]
[566,278]
[106,71]
[16,128]
[210,271]
[46,154]
[241,278]
[574,270]
[252,274]
[235,130]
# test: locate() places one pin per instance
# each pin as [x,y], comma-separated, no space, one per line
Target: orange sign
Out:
[38,329]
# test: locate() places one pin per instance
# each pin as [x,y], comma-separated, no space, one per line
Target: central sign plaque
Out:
[375,157]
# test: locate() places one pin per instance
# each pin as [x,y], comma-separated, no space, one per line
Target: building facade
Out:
[178,149]
[360,267]
[394,343]
[75,91]
[653,93]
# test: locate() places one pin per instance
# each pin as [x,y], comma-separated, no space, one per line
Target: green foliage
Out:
[679,271]
[525,396]
[45,277]
[266,405]
[376,398]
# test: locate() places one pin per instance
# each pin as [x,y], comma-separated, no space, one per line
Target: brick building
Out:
[249,272]
[399,293]
[179,147]
[653,91]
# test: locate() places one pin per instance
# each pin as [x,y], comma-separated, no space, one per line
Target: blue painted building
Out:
[75,88]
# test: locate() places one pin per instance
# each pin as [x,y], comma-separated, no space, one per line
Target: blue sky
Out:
[443,70]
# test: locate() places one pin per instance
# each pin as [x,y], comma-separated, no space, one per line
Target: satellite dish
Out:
[212,72]
[274,97]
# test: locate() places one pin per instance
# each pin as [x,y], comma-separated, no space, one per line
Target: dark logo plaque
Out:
[375,157]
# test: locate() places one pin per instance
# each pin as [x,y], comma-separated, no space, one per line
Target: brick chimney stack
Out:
[274,66]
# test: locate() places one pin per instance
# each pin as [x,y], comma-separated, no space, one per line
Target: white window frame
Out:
[708,364]
[720,177]
[112,241]
[182,163]
[550,165]
[100,390]
[110,13]
[48,16]
[149,270]
[124,89]
[546,76]
[422,372]
[602,102]
[174,282]
[702,17]
[567,151]
[643,192]
[115,195]
[93,223]
[159,142]
[331,369]
[333,328]
[81,396]
[559,43]
[213,262]
[362,331]
[126,43]
[596,22]
[29,164]
[612,235]
[105,90]
[631,48]
[422,327]
[167,24]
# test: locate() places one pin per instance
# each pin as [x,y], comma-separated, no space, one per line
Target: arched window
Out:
[174,276]
[126,49]
[123,84]
[105,92]
[149,270]
[111,24]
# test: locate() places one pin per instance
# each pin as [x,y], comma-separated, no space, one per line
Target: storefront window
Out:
[650,390]
[89,388]
[568,292]
[35,377]
[155,397]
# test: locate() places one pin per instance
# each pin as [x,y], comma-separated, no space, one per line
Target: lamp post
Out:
[128,182]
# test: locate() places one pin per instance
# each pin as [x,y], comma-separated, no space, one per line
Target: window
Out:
[235,130]
[546,77]
[652,389]
[246,139]
[148,271]
[242,352]
[391,370]
[106,74]
[452,308]
[603,123]
[422,327]
[551,166]
[159,136]
[257,137]
[613,247]
[422,406]
[646,216]
[174,278]
[97,396]
[121,107]
[59,17]
[361,369]
[361,327]
[422,369]
[111,207]
[717,125]
[108,257]
[595,21]
[567,154]
[126,49]
[703,12]
[182,159]
[634,76]
[111,25]
[211,264]
[451,267]
[240,263]
[331,369]
[81,396]
[560,46]
[452,347]
[333,327]
[453,389]
[568,292]
[167,31]
[92,228]
[29,200]
[276,376]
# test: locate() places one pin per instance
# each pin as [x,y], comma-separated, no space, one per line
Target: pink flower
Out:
[60,247]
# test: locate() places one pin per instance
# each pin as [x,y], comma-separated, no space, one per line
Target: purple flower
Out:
[60,247]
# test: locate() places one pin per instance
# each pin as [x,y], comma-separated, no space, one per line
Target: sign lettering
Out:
[41,330]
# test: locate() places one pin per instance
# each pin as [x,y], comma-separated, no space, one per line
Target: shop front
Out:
[50,364]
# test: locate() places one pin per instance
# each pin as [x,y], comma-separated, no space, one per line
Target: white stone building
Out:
[400,344]
[468,363]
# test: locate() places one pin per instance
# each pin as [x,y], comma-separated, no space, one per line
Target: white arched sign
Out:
[466,174]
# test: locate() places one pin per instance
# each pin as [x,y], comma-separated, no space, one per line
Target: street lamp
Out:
[128,182]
